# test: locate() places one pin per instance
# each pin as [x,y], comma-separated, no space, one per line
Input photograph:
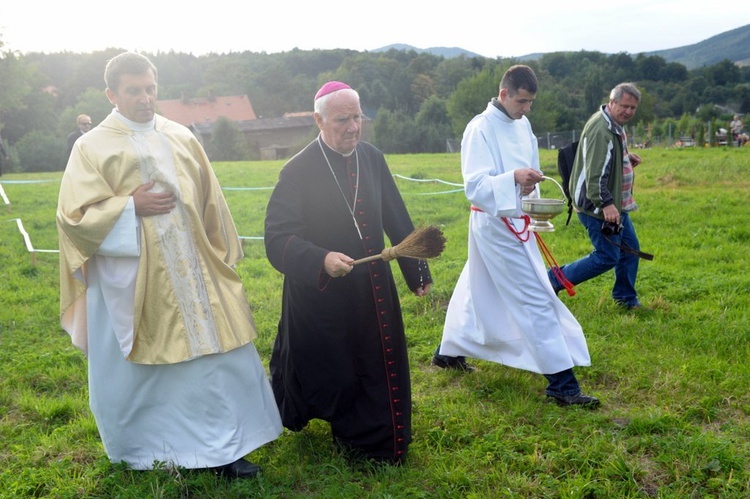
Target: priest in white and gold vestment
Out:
[148,290]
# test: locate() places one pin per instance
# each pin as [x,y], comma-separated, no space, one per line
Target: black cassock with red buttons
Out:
[340,353]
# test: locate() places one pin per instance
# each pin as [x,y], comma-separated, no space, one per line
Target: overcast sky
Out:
[491,29]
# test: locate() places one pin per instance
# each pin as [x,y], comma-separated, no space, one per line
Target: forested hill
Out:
[417,101]
[446,52]
[733,45]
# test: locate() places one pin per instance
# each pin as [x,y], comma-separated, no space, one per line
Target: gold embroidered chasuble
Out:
[189,301]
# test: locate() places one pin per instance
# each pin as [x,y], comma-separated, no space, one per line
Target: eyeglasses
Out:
[86,124]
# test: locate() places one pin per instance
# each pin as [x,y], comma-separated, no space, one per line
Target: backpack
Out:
[565,158]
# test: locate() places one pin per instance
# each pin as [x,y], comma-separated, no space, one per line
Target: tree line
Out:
[416,101]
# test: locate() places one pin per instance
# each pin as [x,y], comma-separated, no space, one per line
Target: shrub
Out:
[40,152]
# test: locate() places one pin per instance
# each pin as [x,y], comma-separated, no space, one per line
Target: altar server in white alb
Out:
[503,308]
[148,290]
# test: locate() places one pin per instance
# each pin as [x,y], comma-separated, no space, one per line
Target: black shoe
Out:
[635,307]
[578,399]
[455,363]
[639,308]
[238,469]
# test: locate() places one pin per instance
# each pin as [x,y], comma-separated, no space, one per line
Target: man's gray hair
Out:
[622,89]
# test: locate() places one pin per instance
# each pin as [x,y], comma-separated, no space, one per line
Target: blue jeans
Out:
[604,257]
[562,384]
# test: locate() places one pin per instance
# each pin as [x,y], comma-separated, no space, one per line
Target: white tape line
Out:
[27,239]
[25,235]
[428,180]
[2,193]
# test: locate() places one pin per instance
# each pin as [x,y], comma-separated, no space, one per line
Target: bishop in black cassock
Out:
[340,353]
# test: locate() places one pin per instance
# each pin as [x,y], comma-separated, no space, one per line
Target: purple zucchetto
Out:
[330,87]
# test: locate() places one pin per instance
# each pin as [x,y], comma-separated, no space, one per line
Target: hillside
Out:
[733,45]
[447,52]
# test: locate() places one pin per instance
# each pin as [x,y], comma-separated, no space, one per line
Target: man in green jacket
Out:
[601,187]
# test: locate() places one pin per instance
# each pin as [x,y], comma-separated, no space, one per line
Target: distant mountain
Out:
[733,45]
[447,52]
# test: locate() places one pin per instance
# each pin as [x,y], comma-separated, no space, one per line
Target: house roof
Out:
[289,120]
[207,109]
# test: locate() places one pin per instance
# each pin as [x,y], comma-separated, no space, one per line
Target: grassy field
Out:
[675,415]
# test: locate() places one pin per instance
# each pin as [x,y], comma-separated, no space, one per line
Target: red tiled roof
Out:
[206,109]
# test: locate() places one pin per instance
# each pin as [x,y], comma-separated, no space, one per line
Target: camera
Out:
[611,228]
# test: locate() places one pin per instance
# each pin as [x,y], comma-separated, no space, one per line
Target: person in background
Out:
[503,308]
[83,124]
[601,188]
[736,126]
[148,291]
[340,353]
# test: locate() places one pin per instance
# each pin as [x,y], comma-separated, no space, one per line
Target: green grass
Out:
[675,419]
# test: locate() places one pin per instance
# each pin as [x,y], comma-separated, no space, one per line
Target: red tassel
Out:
[556,271]
[543,247]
